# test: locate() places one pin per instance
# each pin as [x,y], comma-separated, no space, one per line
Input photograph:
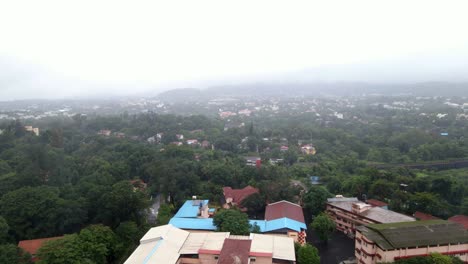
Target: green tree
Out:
[11,254]
[124,203]
[382,189]
[307,254]
[33,212]
[165,214]
[440,259]
[233,221]
[324,226]
[255,205]
[315,200]
[4,167]
[128,232]
[429,203]
[95,244]
[4,228]
[290,156]
[64,250]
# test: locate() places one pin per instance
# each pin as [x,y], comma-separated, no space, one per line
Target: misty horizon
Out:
[56,54]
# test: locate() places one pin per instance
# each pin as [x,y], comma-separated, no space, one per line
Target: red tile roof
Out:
[284,209]
[376,203]
[32,246]
[461,219]
[238,195]
[235,251]
[423,216]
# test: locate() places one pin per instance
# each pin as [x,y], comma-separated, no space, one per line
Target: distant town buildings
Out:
[284,148]
[315,180]
[104,132]
[205,144]
[119,135]
[192,142]
[253,161]
[274,161]
[308,149]
[245,112]
[383,243]
[155,139]
[34,130]
[231,125]
[226,114]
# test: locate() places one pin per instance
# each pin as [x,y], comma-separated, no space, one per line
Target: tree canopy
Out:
[233,221]
[308,254]
[324,226]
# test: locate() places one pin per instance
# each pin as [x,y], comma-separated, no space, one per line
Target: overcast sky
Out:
[78,48]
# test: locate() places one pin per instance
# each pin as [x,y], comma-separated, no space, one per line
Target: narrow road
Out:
[154,208]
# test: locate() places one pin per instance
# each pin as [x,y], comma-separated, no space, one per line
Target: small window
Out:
[216,257]
[253,259]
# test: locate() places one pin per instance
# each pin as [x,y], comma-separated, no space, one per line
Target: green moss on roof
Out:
[415,234]
[406,224]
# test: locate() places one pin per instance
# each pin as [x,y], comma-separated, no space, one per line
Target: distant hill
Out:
[315,89]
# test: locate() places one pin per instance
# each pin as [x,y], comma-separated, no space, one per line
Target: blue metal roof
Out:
[186,218]
[193,223]
[189,210]
[260,223]
[282,223]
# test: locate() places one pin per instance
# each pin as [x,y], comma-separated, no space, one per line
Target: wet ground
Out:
[339,248]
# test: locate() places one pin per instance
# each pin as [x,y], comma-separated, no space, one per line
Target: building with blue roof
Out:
[191,208]
[193,223]
[281,217]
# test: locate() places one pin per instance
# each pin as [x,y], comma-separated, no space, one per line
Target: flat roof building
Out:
[170,245]
[379,243]
[349,213]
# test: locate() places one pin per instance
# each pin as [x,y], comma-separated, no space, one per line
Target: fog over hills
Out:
[316,89]
[420,75]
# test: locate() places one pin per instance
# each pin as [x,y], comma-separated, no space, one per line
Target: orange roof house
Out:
[235,196]
[423,216]
[461,219]
[33,245]
[284,209]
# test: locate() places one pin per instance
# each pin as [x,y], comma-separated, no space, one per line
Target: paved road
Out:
[154,208]
[339,248]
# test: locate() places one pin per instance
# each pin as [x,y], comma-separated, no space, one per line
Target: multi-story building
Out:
[383,243]
[349,213]
[170,245]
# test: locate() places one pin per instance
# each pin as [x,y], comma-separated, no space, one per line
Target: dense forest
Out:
[97,189]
